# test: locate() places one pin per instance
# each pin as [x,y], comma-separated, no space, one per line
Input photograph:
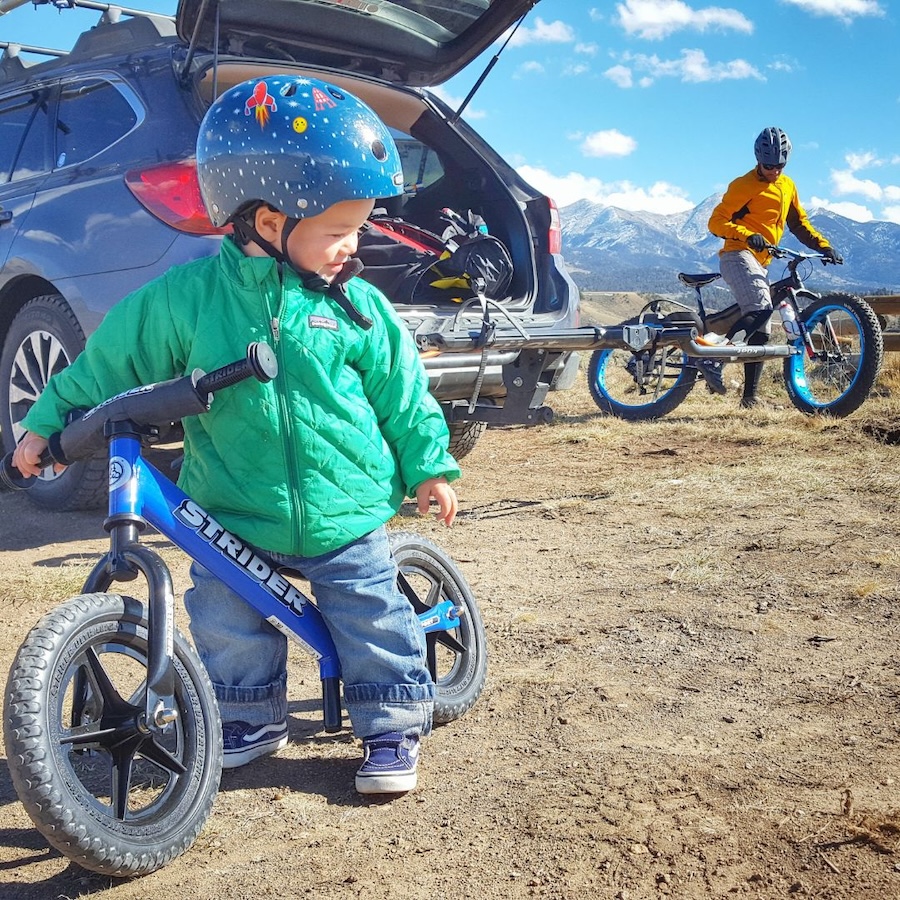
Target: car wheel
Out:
[43,339]
[464,436]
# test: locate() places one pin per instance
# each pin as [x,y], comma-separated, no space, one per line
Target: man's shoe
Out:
[711,370]
[389,764]
[243,743]
[712,339]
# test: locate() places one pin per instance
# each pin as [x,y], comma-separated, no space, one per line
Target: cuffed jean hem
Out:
[258,705]
[380,708]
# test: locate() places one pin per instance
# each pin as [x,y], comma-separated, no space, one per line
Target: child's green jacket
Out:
[303,465]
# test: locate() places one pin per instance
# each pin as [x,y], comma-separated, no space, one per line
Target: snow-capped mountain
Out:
[610,249]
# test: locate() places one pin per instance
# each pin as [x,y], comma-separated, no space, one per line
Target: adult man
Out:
[753,213]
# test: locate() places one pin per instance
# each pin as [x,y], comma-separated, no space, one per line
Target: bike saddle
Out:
[698,280]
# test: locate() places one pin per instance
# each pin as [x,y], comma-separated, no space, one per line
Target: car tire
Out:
[464,436]
[43,339]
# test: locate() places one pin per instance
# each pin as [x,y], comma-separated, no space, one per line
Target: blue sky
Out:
[654,104]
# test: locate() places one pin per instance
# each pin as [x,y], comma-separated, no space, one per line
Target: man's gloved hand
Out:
[756,242]
[831,255]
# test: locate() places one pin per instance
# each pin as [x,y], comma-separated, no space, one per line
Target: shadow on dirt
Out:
[23,526]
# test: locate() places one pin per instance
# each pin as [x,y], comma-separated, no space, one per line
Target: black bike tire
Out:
[869,367]
[456,691]
[62,807]
[662,406]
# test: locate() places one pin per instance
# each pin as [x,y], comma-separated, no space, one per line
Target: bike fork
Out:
[124,561]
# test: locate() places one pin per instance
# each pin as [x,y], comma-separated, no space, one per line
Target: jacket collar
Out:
[253,271]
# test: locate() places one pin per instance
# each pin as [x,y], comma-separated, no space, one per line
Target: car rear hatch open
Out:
[412,42]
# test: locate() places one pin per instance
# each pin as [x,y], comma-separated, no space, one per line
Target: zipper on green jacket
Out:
[296,510]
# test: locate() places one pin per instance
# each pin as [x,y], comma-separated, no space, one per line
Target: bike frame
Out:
[140,495]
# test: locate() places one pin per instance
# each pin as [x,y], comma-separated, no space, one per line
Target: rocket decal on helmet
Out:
[261,101]
[322,100]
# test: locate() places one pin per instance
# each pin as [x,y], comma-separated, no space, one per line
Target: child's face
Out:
[323,243]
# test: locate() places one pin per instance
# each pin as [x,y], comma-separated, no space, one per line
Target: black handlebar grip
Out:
[11,479]
[260,363]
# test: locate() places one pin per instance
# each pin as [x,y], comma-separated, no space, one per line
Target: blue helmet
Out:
[298,144]
[772,147]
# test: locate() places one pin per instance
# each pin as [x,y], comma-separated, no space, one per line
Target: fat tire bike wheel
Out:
[97,783]
[849,349]
[640,386]
[457,659]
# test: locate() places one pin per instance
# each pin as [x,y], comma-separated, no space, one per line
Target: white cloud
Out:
[529,68]
[891,213]
[620,75]
[656,19]
[693,67]
[855,211]
[586,49]
[840,9]
[846,181]
[608,143]
[660,197]
[783,65]
[864,160]
[543,33]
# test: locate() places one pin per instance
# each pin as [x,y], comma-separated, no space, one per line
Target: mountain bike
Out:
[831,361]
[112,731]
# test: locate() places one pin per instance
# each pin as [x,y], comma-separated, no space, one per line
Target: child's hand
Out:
[439,490]
[28,453]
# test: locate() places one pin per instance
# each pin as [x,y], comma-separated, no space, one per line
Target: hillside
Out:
[610,249]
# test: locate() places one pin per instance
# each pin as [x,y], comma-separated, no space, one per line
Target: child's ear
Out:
[269,223]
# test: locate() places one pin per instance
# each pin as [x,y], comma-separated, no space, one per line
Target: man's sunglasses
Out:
[777,167]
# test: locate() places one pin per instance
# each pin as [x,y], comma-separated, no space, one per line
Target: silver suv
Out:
[98,190]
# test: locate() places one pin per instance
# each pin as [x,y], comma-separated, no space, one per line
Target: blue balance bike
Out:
[112,731]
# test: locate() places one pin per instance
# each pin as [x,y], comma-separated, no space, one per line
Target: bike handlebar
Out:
[796,256]
[148,405]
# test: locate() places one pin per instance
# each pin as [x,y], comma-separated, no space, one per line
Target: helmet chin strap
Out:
[312,281]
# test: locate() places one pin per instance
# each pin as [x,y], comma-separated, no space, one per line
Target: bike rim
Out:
[839,345]
[629,381]
[447,652]
[112,765]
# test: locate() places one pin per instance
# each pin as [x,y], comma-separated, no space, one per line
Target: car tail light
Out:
[554,235]
[171,192]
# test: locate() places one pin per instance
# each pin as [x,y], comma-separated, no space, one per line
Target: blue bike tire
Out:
[617,393]
[839,378]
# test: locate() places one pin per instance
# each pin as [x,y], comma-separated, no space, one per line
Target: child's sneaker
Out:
[242,743]
[389,764]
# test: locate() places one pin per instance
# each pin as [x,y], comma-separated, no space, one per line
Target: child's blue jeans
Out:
[379,641]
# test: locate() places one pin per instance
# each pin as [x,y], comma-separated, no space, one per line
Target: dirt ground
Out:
[694,682]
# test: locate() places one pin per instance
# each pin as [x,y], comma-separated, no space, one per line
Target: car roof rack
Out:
[111,11]
[139,29]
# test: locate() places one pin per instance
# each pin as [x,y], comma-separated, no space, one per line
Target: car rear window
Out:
[455,16]
[93,115]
